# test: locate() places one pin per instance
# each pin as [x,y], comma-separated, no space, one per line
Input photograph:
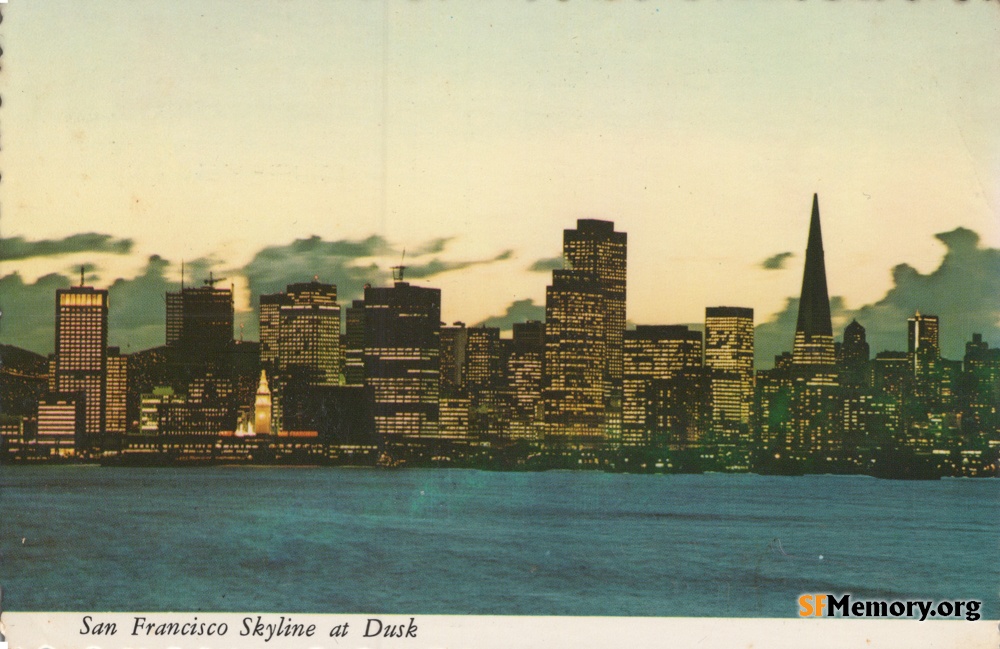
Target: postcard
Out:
[441,324]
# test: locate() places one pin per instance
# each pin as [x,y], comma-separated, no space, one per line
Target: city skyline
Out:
[284,153]
[890,334]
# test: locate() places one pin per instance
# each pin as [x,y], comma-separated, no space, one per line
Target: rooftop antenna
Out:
[81,275]
[182,274]
[397,271]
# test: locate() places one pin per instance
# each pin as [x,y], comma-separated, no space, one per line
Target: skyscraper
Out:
[402,358]
[483,377]
[81,352]
[729,337]
[354,349]
[596,258]
[922,334]
[816,428]
[814,331]
[269,315]
[309,333]
[653,353]
[594,247]
[116,390]
[206,322]
[575,382]
[855,354]
[524,380]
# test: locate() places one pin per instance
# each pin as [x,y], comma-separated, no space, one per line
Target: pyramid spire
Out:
[814,330]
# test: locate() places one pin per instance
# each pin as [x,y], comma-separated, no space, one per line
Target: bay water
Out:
[440,541]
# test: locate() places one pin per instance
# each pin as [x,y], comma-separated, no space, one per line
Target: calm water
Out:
[469,542]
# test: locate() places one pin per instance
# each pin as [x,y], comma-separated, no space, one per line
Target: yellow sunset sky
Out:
[211,130]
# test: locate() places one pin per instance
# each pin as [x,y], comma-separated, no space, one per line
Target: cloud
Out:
[776,262]
[963,291]
[29,311]
[545,265]
[436,266]
[432,247]
[777,334]
[136,308]
[12,248]
[517,311]
[337,262]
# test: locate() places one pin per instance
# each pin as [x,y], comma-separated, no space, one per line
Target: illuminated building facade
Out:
[483,378]
[116,388]
[595,249]
[575,382]
[262,407]
[309,333]
[654,353]
[524,370]
[815,410]
[402,359]
[81,353]
[729,337]
[61,422]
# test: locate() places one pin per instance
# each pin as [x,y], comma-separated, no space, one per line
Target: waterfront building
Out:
[61,422]
[262,407]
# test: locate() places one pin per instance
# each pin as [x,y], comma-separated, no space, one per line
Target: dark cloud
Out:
[545,265]
[776,335]
[432,247]
[436,266]
[963,291]
[29,310]
[518,311]
[776,262]
[12,248]
[335,262]
[136,309]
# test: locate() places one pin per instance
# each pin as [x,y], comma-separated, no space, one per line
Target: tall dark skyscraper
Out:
[81,352]
[814,330]
[354,348]
[205,321]
[855,354]
[816,400]
[402,358]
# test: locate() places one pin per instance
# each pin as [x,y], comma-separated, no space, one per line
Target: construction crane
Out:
[211,281]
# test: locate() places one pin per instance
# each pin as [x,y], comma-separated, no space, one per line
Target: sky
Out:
[271,142]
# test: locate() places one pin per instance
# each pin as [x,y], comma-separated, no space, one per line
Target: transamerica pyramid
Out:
[814,331]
